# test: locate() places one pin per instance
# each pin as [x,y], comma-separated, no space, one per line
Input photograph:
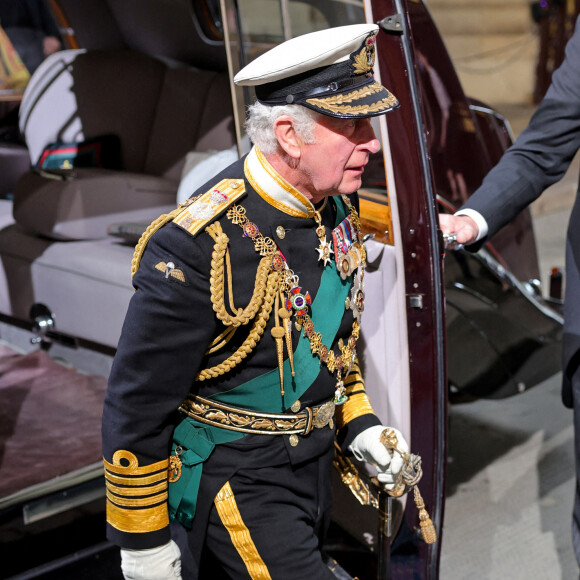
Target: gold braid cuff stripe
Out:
[354,378]
[133,467]
[137,491]
[227,509]
[354,384]
[137,502]
[356,406]
[246,421]
[137,521]
[355,368]
[140,480]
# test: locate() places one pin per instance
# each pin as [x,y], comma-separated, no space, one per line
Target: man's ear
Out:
[287,137]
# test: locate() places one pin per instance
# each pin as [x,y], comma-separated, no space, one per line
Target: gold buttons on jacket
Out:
[281,232]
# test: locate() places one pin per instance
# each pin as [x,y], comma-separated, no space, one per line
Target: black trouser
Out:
[270,522]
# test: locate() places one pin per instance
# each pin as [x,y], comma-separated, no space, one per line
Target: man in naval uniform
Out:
[237,367]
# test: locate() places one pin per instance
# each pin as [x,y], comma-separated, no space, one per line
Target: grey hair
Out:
[261,119]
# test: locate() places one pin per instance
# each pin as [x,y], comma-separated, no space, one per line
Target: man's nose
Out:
[368,138]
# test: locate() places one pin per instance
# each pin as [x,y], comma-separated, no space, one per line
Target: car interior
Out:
[138,118]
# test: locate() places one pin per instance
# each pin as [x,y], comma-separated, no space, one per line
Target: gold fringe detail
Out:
[425,523]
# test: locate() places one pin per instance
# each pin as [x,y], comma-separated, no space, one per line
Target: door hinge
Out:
[392,24]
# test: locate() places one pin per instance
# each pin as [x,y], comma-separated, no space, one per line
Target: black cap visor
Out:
[331,91]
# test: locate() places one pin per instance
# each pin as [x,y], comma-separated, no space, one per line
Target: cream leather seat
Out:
[58,251]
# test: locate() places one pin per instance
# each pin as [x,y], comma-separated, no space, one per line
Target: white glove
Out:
[366,446]
[161,563]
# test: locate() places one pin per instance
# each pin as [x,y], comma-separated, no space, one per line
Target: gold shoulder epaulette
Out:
[210,205]
[194,214]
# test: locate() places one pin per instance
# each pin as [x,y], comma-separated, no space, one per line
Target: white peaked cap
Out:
[329,71]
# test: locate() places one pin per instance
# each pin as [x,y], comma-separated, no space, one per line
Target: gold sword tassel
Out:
[407,479]
[425,523]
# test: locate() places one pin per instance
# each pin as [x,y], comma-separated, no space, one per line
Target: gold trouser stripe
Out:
[356,406]
[228,511]
[137,521]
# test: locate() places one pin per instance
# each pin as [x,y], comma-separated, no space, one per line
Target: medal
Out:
[350,256]
[297,301]
[324,248]
[357,301]
[340,393]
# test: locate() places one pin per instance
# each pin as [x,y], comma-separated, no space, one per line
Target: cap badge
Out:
[364,61]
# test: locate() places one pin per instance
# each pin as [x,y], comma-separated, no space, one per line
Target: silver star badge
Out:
[324,251]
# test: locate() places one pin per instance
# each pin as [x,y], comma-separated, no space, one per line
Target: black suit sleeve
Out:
[541,154]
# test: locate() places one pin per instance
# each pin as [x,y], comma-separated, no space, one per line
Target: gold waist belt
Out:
[246,421]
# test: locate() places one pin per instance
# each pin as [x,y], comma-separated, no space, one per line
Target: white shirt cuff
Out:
[478,219]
